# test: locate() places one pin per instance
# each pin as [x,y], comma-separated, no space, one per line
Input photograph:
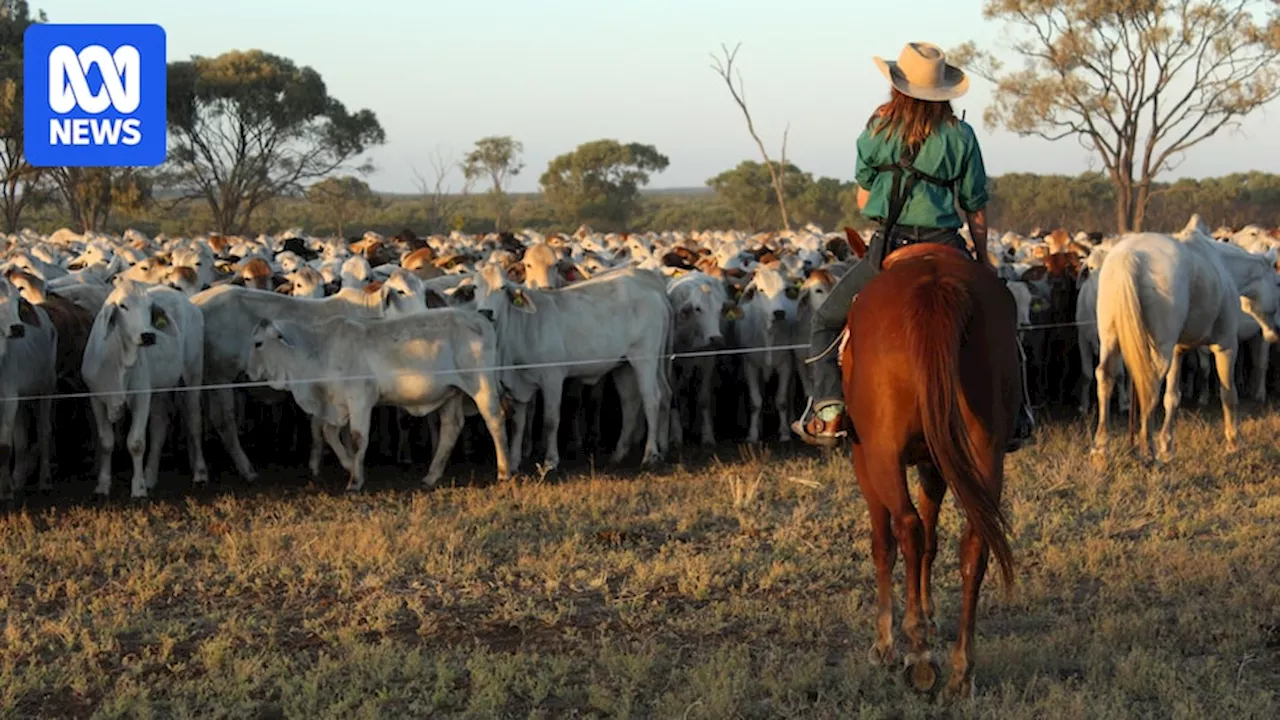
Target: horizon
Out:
[513,78]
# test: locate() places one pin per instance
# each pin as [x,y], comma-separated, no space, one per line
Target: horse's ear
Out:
[855,242]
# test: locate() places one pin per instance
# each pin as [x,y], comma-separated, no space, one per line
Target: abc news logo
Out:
[94,95]
[69,89]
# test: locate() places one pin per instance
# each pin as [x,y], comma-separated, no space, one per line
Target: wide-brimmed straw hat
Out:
[922,72]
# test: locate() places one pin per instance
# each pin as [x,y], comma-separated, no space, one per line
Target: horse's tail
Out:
[1121,310]
[936,339]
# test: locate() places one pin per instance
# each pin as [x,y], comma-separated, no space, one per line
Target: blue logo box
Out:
[94,95]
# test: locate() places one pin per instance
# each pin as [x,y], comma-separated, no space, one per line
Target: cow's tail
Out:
[1120,311]
[944,308]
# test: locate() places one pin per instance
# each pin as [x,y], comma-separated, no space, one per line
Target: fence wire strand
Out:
[285,385]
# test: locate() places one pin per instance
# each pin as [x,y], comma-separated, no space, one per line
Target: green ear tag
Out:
[518,300]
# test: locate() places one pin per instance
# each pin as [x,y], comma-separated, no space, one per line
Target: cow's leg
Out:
[651,396]
[782,400]
[451,420]
[488,400]
[222,411]
[551,402]
[1172,396]
[1205,376]
[333,436]
[624,378]
[106,445]
[361,413]
[519,418]
[1085,386]
[44,440]
[1258,373]
[756,399]
[317,446]
[157,431]
[194,419]
[8,419]
[705,407]
[406,424]
[136,440]
[1225,357]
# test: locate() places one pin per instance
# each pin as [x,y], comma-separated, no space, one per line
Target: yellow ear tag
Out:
[161,322]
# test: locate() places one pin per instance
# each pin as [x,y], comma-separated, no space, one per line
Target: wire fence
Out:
[249,384]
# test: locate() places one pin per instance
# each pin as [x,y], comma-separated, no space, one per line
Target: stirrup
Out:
[810,415]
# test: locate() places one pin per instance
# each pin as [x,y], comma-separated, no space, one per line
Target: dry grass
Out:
[741,589]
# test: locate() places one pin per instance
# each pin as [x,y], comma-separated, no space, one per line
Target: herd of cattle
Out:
[289,344]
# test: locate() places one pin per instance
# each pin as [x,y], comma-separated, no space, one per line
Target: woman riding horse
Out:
[916,159]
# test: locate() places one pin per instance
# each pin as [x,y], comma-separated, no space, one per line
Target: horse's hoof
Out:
[921,672]
[959,688]
[882,657]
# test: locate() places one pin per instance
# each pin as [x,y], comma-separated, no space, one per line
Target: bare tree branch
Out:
[724,68]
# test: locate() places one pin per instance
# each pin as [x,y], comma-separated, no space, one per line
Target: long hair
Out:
[910,119]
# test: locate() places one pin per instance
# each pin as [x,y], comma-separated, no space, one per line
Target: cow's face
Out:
[815,288]
[271,343]
[11,325]
[540,268]
[289,261]
[699,303]
[1261,299]
[772,296]
[131,314]
[93,255]
[496,295]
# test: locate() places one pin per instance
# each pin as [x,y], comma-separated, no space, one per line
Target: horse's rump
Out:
[931,361]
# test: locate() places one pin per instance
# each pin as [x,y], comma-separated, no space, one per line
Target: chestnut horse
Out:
[930,370]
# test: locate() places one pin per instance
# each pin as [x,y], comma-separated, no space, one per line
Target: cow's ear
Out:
[434,299]
[465,293]
[520,300]
[27,313]
[732,311]
[160,320]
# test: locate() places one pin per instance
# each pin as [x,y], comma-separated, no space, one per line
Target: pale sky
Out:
[557,73]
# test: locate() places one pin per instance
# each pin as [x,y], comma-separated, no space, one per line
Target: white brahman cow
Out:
[145,341]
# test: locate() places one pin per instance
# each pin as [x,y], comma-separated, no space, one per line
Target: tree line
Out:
[257,143]
[1020,202]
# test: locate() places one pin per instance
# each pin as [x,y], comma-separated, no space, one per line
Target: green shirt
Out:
[943,154]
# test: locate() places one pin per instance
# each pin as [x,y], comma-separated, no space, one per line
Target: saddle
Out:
[917,251]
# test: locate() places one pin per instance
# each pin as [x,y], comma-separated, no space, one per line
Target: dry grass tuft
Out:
[740,589]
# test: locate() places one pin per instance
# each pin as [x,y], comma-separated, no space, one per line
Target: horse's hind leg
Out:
[884,551]
[887,479]
[929,498]
[973,567]
[1172,397]
[1225,357]
[1109,364]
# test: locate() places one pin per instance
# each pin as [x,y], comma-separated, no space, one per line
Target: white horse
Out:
[1160,295]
